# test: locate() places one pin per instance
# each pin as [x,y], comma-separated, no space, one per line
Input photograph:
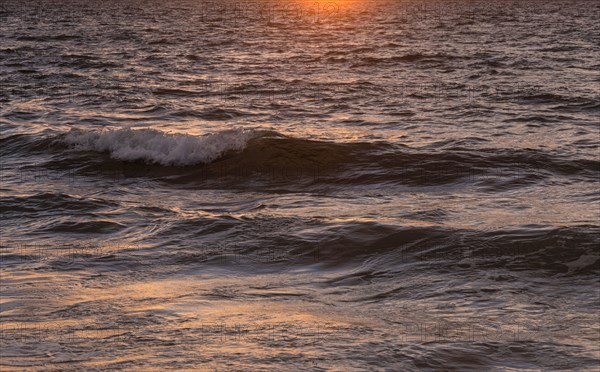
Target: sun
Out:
[325,8]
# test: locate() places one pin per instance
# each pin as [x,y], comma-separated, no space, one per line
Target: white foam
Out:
[154,146]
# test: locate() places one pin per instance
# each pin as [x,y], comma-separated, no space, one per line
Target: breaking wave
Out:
[157,147]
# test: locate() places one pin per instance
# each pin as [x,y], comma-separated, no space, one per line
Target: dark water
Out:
[341,185]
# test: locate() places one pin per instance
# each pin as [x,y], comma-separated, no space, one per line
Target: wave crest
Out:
[153,146]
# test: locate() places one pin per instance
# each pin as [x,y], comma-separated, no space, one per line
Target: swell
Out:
[369,247]
[261,156]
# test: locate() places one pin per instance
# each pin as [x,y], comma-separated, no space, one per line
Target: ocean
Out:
[340,185]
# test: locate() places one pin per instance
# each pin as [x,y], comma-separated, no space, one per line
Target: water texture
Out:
[299,185]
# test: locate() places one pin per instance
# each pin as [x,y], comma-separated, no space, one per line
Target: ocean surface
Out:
[299,185]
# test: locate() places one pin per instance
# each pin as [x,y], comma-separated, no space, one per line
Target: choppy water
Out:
[342,185]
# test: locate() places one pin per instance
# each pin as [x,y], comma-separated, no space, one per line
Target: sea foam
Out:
[153,146]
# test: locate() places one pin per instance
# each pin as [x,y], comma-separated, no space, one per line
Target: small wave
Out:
[47,38]
[41,202]
[408,58]
[82,227]
[154,146]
